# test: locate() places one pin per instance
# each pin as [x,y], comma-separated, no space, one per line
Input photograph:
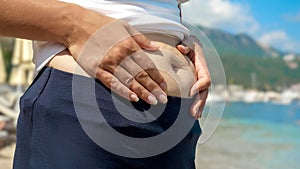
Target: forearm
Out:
[47,20]
[72,25]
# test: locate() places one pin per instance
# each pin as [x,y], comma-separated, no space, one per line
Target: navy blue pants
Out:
[49,135]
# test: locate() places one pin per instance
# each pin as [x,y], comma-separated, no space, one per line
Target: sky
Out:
[271,22]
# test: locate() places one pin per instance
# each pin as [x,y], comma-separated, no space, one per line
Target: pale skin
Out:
[73,25]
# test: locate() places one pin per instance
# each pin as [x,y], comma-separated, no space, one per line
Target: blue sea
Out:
[254,136]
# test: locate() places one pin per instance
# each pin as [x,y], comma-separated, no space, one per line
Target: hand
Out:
[113,54]
[193,49]
[73,26]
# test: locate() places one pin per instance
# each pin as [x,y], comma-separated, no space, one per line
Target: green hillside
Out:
[271,73]
[239,44]
[242,56]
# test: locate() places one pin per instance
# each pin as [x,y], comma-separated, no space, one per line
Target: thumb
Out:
[183,49]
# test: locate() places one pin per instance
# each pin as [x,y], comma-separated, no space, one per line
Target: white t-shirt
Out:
[156,16]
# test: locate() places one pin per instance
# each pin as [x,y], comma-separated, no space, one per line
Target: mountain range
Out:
[240,44]
[243,57]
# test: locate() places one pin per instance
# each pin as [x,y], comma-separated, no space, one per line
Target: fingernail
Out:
[162,98]
[155,45]
[185,49]
[134,97]
[152,99]
[163,86]
[151,46]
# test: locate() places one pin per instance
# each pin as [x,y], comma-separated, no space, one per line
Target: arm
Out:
[38,19]
[72,25]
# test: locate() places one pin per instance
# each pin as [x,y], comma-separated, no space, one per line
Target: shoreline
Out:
[237,93]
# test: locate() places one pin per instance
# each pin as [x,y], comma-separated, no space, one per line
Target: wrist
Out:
[71,17]
[82,24]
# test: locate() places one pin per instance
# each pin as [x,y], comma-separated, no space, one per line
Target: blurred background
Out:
[259,45]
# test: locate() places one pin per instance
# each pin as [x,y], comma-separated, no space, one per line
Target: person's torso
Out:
[146,16]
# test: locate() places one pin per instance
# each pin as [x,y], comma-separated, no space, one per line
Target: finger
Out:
[203,96]
[203,78]
[129,81]
[142,92]
[148,66]
[202,84]
[114,59]
[183,49]
[187,51]
[195,106]
[199,103]
[144,79]
[199,54]
[120,52]
[145,63]
[131,66]
[109,64]
[200,64]
[115,85]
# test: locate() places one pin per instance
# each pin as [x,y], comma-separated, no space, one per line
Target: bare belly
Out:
[177,70]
